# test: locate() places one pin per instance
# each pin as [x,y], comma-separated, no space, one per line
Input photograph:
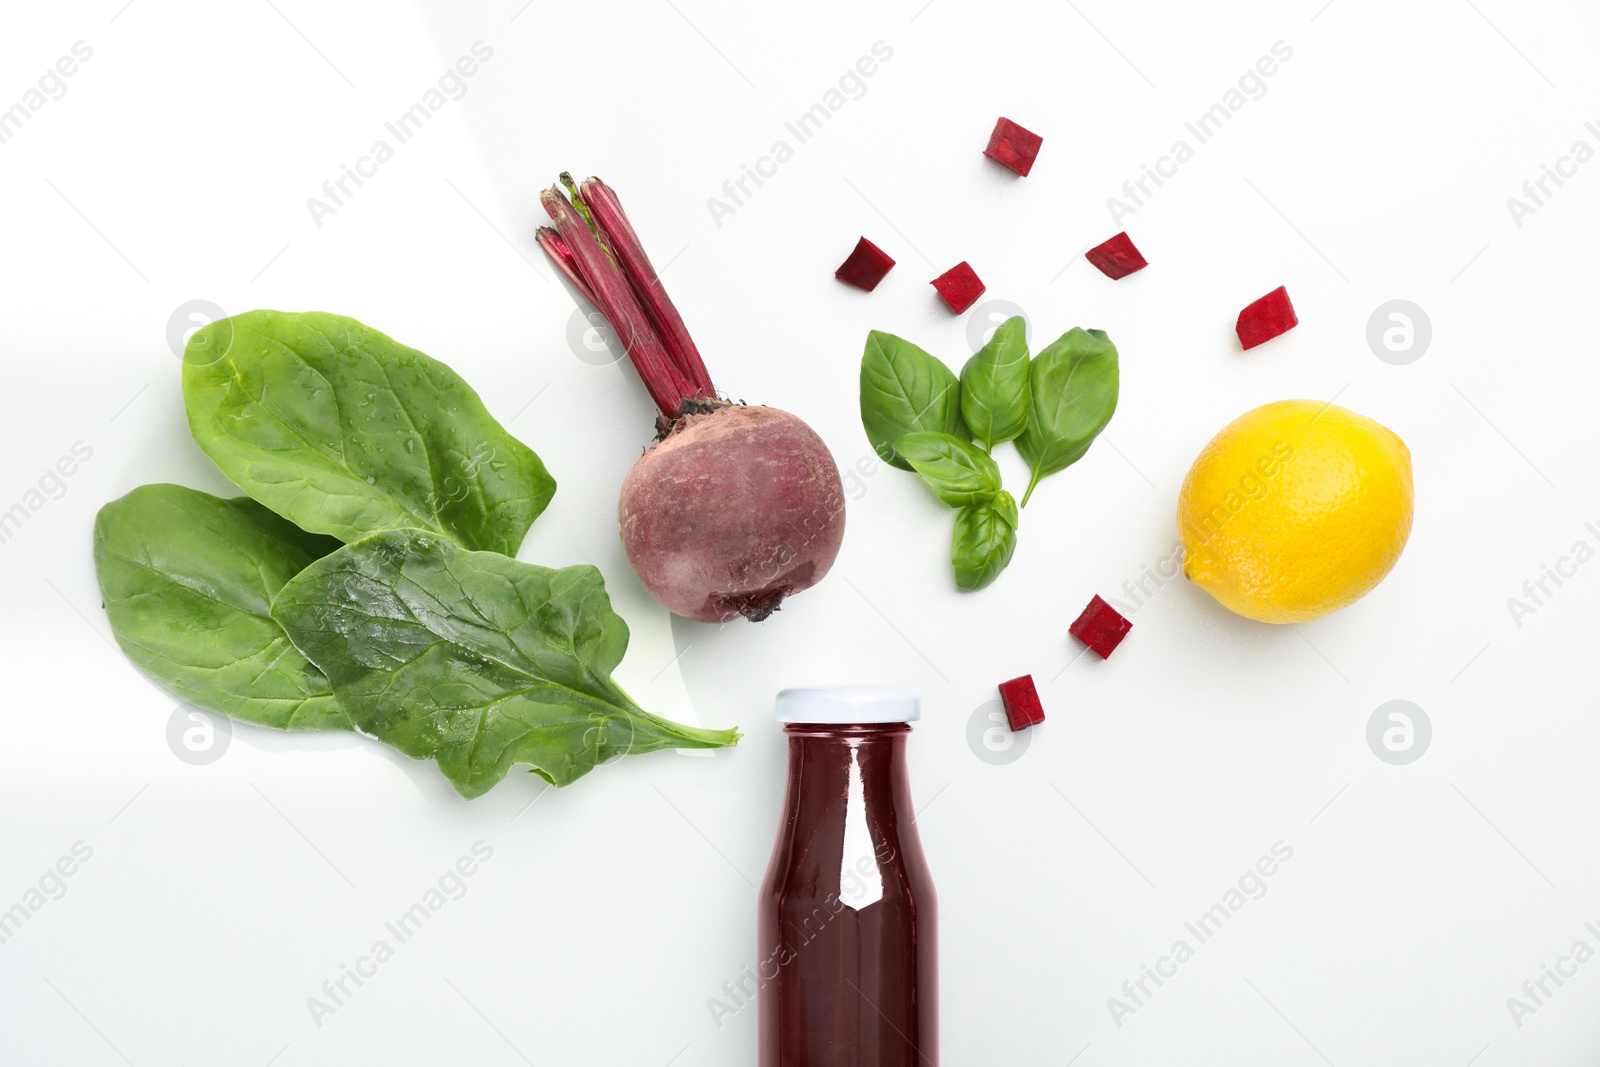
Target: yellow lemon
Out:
[1295,510]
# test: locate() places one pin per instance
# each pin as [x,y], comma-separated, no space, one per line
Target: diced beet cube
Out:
[959,286]
[1266,318]
[1116,258]
[866,266]
[1022,703]
[1013,146]
[1100,627]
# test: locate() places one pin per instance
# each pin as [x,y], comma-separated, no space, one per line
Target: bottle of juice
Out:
[846,922]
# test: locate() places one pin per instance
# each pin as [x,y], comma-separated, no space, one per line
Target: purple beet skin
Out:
[734,511]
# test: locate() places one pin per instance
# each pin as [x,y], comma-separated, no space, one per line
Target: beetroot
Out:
[1013,146]
[1021,699]
[1266,318]
[1116,258]
[733,508]
[866,266]
[733,511]
[1101,627]
[959,286]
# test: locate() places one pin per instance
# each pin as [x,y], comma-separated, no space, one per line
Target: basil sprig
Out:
[919,416]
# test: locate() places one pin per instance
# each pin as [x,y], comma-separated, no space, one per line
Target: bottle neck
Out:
[825,751]
[828,763]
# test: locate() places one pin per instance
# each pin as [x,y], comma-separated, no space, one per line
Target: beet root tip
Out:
[757,607]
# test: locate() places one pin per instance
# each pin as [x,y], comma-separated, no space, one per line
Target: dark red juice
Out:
[846,918]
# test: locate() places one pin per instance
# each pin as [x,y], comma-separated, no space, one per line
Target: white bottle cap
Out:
[840,705]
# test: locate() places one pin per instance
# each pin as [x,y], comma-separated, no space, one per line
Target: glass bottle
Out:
[846,920]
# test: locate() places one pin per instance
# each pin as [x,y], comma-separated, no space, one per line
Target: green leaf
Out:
[1072,395]
[958,472]
[474,659]
[905,390]
[343,431]
[985,537]
[994,385]
[188,581]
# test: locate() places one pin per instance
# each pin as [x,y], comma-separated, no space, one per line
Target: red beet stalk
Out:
[605,214]
[560,254]
[594,246]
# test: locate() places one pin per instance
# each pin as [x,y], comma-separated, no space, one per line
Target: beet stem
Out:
[606,214]
[611,293]
[560,255]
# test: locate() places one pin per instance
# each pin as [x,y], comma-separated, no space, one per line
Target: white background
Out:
[1377,165]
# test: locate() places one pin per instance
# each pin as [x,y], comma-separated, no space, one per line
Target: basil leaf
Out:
[1072,394]
[343,431]
[905,390]
[994,385]
[188,580]
[985,537]
[959,473]
[474,659]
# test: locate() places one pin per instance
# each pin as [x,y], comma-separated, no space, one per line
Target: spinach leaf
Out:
[985,537]
[188,580]
[994,385]
[343,431]
[1072,394]
[474,659]
[905,390]
[959,473]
